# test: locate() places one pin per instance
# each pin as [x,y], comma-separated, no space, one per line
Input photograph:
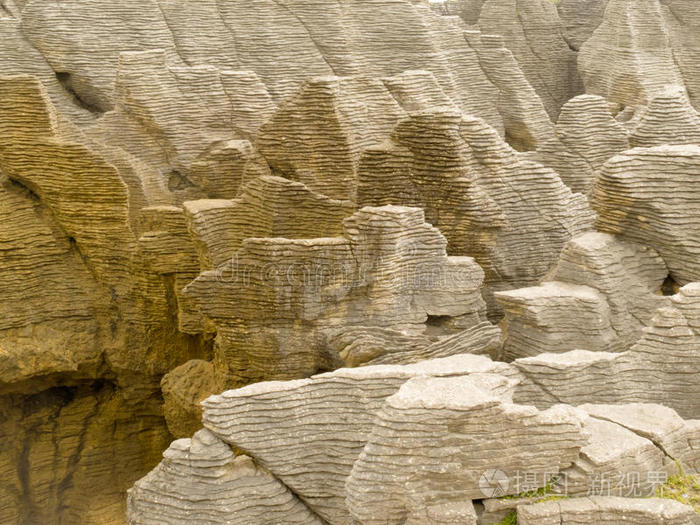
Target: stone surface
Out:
[200,196]
[533,32]
[586,136]
[579,19]
[613,510]
[309,432]
[604,290]
[435,438]
[201,480]
[282,299]
[632,200]
[659,368]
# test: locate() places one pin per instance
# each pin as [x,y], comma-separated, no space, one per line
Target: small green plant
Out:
[538,495]
[683,488]
[510,519]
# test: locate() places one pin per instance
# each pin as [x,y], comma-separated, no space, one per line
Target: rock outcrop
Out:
[635,202]
[327,207]
[602,293]
[434,439]
[207,483]
[604,509]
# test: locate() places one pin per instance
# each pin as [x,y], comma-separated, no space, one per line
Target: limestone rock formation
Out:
[586,136]
[657,369]
[200,196]
[309,432]
[207,483]
[424,447]
[489,199]
[184,388]
[669,119]
[284,298]
[608,509]
[639,48]
[632,200]
[579,19]
[602,293]
[533,32]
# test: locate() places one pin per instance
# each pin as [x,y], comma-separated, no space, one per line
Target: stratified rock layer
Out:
[650,195]
[309,432]
[201,481]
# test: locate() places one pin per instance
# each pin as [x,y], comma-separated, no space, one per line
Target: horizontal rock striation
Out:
[604,509]
[207,483]
[309,432]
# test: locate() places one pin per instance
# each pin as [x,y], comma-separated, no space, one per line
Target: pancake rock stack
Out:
[398,258]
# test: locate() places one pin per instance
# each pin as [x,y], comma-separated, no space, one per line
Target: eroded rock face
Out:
[633,201]
[276,308]
[608,509]
[195,197]
[604,291]
[656,369]
[207,483]
[639,48]
[312,450]
[533,32]
[423,447]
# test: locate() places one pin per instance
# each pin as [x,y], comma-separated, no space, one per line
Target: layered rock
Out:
[629,59]
[659,368]
[266,207]
[669,119]
[89,326]
[201,480]
[586,136]
[283,44]
[580,18]
[58,461]
[424,447]
[533,32]
[604,509]
[525,119]
[490,196]
[378,346]
[276,308]
[184,388]
[615,462]
[309,432]
[603,291]
[634,201]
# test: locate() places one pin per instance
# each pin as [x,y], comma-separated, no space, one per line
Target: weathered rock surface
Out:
[490,196]
[604,290]
[533,32]
[207,483]
[634,201]
[309,432]
[277,306]
[639,48]
[579,19]
[659,368]
[604,509]
[434,439]
[669,119]
[199,196]
[586,136]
